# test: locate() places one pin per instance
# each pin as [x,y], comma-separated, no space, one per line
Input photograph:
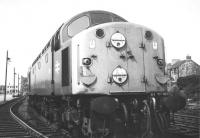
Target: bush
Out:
[190,84]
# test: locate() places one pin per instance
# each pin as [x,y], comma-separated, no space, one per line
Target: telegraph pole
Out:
[7,58]
[18,84]
[14,82]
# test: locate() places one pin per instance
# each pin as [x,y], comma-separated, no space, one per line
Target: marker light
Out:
[100,33]
[155,45]
[92,44]
[119,75]
[148,35]
[118,40]
[86,61]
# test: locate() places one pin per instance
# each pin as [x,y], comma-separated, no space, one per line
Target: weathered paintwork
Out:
[143,65]
[138,57]
[41,75]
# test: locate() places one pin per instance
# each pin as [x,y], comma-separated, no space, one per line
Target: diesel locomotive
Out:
[101,76]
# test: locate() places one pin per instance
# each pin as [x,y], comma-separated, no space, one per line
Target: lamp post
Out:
[14,82]
[18,84]
[7,59]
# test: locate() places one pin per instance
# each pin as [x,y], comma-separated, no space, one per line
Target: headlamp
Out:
[87,61]
[118,40]
[119,75]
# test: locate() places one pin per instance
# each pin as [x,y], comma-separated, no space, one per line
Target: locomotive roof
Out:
[90,13]
[86,20]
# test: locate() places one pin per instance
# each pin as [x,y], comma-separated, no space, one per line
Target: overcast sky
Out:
[27,25]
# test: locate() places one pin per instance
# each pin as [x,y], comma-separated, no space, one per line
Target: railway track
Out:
[34,125]
[185,125]
[9,127]
[12,125]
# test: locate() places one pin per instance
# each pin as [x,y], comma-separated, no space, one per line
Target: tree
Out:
[190,84]
[24,84]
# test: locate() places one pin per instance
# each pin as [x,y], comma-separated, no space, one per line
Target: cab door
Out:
[117,59]
[129,59]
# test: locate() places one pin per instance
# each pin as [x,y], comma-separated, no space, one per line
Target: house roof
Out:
[179,63]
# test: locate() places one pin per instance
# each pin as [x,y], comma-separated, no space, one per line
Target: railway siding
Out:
[186,122]
[12,125]
[8,126]
[29,129]
[41,128]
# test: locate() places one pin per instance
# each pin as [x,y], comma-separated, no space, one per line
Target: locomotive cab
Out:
[86,20]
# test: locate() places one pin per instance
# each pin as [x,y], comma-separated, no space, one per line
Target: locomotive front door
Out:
[135,60]
[126,62]
[117,59]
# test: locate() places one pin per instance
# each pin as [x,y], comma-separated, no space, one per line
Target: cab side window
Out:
[118,19]
[78,25]
[99,18]
[65,67]
[56,41]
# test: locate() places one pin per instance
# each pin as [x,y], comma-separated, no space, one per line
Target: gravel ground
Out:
[8,97]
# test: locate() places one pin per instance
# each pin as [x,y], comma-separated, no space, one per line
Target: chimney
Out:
[188,57]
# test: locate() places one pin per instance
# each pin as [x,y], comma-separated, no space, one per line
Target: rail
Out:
[31,130]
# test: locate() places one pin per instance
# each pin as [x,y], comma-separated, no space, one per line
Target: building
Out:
[9,89]
[182,68]
[2,88]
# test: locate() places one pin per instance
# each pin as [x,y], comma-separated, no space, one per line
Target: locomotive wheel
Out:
[166,120]
[146,122]
[122,114]
[119,123]
[162,122]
